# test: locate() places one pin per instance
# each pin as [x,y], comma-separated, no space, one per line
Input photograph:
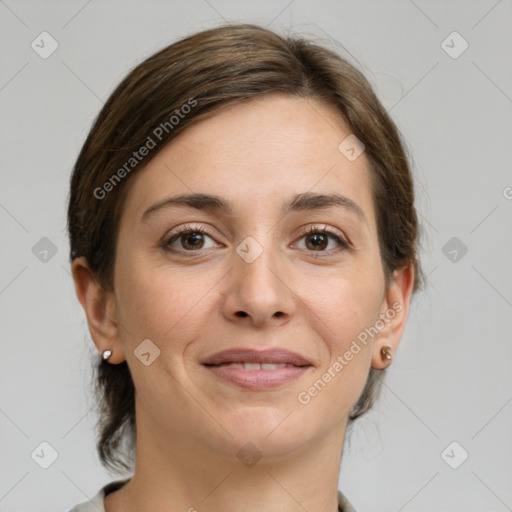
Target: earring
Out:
[384,353]
[106,354]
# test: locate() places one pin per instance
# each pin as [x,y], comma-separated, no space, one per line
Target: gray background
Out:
[451,379]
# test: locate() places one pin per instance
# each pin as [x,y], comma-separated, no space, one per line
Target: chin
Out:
[265,431]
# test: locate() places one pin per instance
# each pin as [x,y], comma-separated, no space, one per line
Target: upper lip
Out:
[247,355]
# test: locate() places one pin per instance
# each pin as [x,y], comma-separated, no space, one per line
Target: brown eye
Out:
[187,240]
[318,239]
[192,240]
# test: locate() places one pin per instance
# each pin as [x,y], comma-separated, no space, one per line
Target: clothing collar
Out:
[96,504]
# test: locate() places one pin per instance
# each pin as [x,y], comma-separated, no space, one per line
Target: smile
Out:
[257,366]
[256,376]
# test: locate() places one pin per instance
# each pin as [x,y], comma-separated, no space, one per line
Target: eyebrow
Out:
[214,203]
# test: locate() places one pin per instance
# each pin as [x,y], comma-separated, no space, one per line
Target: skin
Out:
[191,424]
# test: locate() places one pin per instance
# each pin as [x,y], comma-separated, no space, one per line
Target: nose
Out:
[257,291]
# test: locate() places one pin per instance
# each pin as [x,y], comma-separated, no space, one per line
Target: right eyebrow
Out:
[206,202]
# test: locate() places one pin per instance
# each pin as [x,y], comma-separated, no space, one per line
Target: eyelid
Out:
[314,228]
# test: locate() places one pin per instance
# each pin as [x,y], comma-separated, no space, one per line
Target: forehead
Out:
[257,154]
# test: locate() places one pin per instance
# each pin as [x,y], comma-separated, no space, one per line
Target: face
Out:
[196,281]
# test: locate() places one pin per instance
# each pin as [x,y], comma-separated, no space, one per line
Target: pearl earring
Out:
[106,354]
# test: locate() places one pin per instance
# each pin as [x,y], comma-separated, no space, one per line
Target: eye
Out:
[190,238]
[318,238]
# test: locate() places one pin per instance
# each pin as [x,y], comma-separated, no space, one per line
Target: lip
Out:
[261,379]
[245,355]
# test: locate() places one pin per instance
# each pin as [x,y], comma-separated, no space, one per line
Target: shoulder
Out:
[96,503]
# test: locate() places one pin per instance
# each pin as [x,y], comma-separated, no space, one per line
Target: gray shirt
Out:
[95,504]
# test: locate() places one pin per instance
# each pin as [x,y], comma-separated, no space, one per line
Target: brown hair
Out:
[207,71]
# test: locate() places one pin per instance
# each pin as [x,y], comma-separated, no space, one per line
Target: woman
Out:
[244,246]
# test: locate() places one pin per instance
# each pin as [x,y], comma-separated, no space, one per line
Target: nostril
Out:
[241,313]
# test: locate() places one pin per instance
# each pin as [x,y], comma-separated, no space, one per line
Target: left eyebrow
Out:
[299,202]
[313,201]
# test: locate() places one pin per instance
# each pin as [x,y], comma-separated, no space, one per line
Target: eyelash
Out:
[311,230]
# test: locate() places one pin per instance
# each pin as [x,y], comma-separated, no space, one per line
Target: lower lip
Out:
[258,379]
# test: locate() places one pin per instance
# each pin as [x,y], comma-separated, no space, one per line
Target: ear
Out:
[393,315]
[99,308]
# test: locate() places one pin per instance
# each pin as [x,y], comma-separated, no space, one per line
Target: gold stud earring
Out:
[384,353]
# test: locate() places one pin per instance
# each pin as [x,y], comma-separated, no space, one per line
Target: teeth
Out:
[236,365]
[258,366]
[252,366]
[272,366]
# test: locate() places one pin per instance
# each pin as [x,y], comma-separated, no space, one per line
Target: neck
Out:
[184,475]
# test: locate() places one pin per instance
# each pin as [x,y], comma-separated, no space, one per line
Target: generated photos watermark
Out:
[157,134]
[304,397]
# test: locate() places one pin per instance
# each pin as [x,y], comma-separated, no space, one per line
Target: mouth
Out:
[257,370]
[251,367]
[250,355]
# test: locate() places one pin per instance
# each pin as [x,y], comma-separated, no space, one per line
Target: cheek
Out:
[345,312]
[160,303]
[352,310]
[345,303]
